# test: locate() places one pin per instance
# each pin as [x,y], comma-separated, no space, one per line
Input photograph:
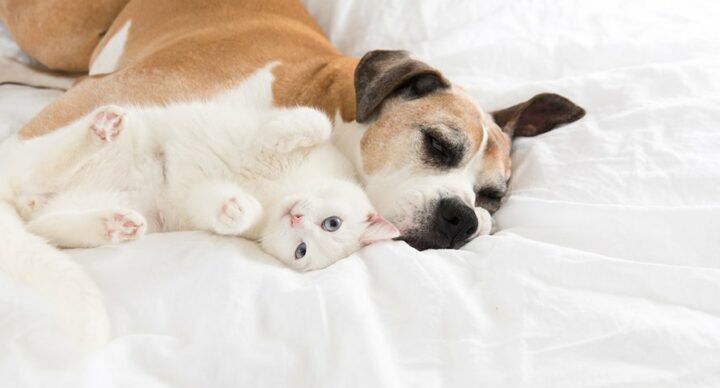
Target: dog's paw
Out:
[485,222]
[107,122]
[237,214]
[124,225]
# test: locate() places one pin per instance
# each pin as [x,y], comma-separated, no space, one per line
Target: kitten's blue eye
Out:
[300,251]
[331,224]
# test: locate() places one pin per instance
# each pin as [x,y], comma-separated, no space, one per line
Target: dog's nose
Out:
[455,221]
[452,225]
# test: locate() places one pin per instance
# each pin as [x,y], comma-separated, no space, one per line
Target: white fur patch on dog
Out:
[107,61]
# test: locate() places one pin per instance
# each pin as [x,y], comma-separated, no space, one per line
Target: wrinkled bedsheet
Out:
[604,271]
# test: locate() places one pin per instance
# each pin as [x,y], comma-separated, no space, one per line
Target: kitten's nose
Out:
[295,219]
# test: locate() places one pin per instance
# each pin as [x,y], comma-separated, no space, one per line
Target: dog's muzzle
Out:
[452,225]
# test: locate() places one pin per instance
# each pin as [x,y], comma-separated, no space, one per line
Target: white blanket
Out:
[605,271]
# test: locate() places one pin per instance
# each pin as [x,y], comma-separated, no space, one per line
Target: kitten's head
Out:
[330,220]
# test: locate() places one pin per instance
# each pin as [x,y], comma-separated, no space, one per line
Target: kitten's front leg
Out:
[221,207]
[291,128]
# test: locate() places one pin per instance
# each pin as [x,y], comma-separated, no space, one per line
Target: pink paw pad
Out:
[236,214]
[230,210]
[107,124]
[120,227]
[35,202]
[30,203]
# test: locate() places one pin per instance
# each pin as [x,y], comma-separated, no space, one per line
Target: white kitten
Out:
[266,174]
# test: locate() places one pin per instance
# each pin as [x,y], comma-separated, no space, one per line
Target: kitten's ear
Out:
[378,229]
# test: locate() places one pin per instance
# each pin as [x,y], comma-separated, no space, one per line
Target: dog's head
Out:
[429,156]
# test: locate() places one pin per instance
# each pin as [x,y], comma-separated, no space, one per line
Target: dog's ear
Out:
[384,73]
[537,115]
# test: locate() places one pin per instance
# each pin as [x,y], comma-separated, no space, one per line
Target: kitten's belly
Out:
[136,181]
[145,190]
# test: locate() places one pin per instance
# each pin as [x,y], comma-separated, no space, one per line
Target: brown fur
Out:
[171,54]
[391,141]
[60,34]
[325,84]
[381,73]
[189,49]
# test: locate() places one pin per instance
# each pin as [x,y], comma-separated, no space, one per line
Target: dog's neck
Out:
[347,136]
[326,83]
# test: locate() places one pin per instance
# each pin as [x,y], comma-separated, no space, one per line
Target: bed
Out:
[604,270]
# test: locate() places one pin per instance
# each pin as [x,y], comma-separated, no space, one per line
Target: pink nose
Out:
[295,219]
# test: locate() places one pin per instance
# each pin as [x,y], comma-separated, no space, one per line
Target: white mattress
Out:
[605,271]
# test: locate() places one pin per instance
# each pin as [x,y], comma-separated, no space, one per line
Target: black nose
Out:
[451,225]
[455,221]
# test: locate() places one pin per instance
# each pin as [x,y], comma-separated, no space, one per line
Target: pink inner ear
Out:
[378,229]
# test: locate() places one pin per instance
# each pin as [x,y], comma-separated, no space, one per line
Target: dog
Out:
[432,161]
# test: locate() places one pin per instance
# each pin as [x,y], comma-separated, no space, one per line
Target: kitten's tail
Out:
[30,260]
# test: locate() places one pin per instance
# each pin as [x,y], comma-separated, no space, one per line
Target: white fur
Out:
[402,195]
[28,259]
[230,166]
[109,58]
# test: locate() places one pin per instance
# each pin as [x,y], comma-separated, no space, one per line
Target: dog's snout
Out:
[455,220]
[453,223]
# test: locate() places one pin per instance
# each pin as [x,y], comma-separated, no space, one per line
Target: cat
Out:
[269,175]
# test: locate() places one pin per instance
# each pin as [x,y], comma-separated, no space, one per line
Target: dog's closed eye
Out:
[440,152]
[489,198]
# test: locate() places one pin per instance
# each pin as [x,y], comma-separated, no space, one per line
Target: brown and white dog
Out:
[427,153]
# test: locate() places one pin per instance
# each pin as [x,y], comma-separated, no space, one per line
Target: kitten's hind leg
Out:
[107,122]
[221,207]
[81,219]
[102,125]
[291,128]
[90,228]
[69,147]
[28,204]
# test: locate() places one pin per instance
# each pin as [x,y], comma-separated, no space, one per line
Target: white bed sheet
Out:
[605,271]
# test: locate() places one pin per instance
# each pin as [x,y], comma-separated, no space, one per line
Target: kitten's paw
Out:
[28,204]
[107,122]
[313,123]
[124,225]
[237,214]
[297,128]
[485,222]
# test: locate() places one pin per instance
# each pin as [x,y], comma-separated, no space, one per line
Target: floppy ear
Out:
[381,73]
[537,115]
[377,230]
